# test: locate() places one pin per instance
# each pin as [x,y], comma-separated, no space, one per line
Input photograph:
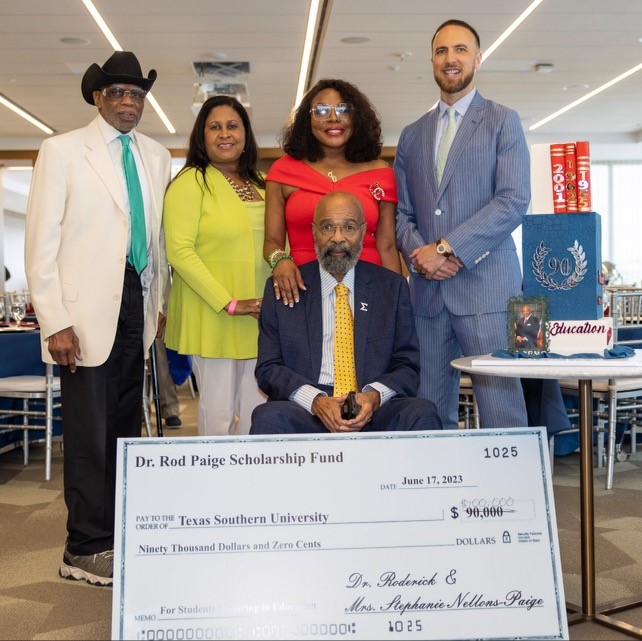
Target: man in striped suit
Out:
[458,204]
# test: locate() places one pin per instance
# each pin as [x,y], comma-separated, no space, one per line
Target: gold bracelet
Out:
[275,254]
[271,256]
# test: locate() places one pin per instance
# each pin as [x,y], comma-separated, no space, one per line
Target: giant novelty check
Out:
[424,535]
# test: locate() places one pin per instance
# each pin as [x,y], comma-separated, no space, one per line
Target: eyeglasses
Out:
[348,230]
[118,93]
[322,112]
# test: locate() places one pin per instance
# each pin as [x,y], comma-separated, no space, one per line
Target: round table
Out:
[586,372]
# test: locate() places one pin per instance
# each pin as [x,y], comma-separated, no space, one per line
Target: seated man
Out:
[527,328]
[306,375]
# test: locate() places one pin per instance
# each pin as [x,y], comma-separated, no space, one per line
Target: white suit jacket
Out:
[76,239]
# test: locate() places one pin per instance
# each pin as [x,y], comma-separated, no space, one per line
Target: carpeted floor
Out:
[36,604]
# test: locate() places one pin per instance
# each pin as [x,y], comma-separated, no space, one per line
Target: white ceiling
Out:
[588,42]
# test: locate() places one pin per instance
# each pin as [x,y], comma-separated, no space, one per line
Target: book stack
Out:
[562,252]
[561,178]
[571,187]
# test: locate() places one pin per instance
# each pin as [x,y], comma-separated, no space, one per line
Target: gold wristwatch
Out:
[442,248]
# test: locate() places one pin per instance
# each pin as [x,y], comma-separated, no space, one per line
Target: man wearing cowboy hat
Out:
[96,269]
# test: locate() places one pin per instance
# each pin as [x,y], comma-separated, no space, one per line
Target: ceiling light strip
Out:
[102,25]
[111,38]
[161,114]
[319,38]
[579,101]
[531,7]
[310,37]
[25,114]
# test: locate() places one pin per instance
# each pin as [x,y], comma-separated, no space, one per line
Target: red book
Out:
[558,177]
[570,173]
[583,154]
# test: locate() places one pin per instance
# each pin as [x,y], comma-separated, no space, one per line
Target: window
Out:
[616,197]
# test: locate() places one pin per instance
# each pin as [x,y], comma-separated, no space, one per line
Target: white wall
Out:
[14,240]
[15,190]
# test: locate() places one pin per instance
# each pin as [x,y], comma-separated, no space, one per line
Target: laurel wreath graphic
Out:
[577,251]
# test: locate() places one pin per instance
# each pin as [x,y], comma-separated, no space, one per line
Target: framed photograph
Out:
[527,324]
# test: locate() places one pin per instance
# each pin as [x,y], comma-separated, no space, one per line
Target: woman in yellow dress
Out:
[213,220]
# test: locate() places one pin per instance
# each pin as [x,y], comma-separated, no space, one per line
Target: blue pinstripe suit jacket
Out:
[385,341]
[484,192]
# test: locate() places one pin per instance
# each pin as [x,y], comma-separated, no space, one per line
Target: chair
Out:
[151,395]
[618,401]
[33,391]
[626,397]
[570,387]
[467,404]
[148,399]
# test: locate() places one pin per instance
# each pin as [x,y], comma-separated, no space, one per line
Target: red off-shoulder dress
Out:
[369,186]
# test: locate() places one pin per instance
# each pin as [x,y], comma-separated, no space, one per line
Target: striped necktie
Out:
[138,250]
[446,142]
[345,379]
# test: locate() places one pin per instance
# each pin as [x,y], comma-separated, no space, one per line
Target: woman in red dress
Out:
[332,144]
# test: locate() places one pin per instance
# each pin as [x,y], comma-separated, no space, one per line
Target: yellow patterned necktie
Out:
[345,379]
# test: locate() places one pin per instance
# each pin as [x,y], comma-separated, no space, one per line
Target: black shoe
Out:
[173,422]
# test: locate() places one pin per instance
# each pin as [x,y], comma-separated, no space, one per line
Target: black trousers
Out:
[99,405]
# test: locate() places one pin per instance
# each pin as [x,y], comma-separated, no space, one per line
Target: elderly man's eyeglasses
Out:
[322,111]
[348,230]
[118,93]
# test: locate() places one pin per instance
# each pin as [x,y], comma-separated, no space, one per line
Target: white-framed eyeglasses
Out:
[348,229]
[118,93]
[321,111]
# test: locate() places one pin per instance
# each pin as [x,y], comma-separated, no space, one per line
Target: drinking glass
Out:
[18,311]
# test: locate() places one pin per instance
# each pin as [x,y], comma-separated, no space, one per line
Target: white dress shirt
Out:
[115,147]
[305,395]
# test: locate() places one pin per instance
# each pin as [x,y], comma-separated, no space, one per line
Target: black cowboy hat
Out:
[123,66]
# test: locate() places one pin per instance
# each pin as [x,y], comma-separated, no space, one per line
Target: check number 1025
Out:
[405,626]
[501,452]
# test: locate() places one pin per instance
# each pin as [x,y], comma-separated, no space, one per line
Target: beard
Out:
[338,264]
[454,86]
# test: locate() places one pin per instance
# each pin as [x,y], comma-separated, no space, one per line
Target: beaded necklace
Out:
[245,192]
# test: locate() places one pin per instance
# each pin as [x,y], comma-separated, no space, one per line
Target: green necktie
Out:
[138,250]
[445,142]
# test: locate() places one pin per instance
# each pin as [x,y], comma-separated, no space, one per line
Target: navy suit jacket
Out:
[484,192]
[385,341]
[528,329]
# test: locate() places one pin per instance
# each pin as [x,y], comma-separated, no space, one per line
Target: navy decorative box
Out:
[562,260]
